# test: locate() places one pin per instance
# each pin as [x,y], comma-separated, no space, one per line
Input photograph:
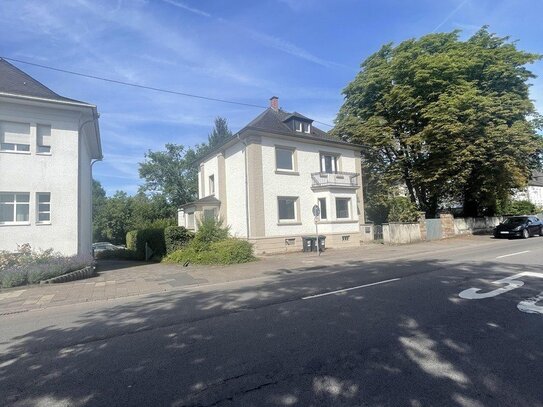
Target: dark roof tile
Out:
[17,82]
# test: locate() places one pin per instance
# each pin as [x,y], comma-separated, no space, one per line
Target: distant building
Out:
[47,145]
[534,191]
[264,181]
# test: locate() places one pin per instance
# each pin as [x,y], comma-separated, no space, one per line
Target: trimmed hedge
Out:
[136,239]
[228,251]
[176,237]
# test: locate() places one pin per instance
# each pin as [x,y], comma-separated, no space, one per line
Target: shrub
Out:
[522,207]
[228,251]
[233,251]
[401,209]
[30,267]
[210,230]
[176,237]
[136,239]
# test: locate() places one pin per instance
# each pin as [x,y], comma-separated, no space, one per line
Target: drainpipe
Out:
[246,186]
[92,120]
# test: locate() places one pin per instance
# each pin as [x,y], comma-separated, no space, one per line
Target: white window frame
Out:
[213,215]
[21,148]
[320,201]
[349,211]
[191,220]
[295,200]
[15,204]
[335,162]
[292,158]
[298,126]
[45,149]
[306,127]
[211,184]
[39,212]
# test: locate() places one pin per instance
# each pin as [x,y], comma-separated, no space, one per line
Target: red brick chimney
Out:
[274,103]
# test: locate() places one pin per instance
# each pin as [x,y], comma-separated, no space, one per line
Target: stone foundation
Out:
[288,244]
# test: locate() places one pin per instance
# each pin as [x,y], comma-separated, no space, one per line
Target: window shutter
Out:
[15,133]
[44,135]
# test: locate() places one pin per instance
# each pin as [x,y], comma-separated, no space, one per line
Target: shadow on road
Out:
[412,342]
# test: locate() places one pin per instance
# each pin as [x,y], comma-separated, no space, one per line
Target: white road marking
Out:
[512,283]
[530,306]
[349,289]
[513,254]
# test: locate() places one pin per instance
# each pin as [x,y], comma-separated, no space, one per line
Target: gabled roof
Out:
[275,121]
[16,82]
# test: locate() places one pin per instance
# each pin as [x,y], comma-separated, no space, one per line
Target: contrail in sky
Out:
[452,13]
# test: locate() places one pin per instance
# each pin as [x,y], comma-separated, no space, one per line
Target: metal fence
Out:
[433,229]
[377,232]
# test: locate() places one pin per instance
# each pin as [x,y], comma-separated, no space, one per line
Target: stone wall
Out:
[447,225]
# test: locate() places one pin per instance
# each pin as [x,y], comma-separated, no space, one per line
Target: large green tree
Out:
[173,173]
[449,119]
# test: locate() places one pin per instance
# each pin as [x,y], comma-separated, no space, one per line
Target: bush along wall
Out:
[176,237]
[136,240]
[212,245]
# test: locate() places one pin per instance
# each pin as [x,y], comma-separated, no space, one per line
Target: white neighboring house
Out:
[264,181]
[47,145]
[534,191]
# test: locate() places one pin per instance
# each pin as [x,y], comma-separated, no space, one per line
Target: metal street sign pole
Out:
[316,212]
[317,231]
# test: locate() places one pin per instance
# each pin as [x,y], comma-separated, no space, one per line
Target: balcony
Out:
[348,180]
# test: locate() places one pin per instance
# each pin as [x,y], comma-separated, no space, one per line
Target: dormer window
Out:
[302,127]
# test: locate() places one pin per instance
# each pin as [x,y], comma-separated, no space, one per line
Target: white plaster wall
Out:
[181,218]
[56,173]
[211,167]
[308,157]
[532,194]
[235,190]
[85,196]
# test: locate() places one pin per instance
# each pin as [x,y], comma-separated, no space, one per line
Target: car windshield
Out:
[515,220]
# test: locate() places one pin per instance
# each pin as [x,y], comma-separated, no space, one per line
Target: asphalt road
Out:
[381,333]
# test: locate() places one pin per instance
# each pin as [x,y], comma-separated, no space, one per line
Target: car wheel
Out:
[541,231]
[525,234]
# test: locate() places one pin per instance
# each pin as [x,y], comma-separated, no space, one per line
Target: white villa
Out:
[534,191]
[47,146]
[264,181]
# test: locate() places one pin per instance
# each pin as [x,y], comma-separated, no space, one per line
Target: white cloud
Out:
[184,6]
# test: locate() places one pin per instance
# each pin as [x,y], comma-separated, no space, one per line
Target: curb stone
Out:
[87,272]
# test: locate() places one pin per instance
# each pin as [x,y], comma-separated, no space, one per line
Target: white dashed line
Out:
[513,254]
[349,289]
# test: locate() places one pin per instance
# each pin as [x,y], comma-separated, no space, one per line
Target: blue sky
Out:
[304,51]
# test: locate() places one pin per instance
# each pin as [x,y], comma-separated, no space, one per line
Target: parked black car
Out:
[519,226]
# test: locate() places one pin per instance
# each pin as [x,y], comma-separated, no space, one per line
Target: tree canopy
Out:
[450,120]
[173,172]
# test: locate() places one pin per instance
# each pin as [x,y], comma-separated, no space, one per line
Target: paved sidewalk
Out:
[118,279]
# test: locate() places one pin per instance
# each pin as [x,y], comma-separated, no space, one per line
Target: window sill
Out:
[285,223]
[15,152]
[15,224]
[43,223]
[325,222]
[287,172]
[47,154]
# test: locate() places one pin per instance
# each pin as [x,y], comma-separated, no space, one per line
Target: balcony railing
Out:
[336,179]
